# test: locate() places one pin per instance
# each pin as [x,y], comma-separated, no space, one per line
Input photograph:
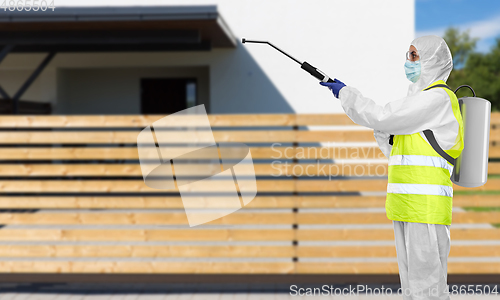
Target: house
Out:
[160,59]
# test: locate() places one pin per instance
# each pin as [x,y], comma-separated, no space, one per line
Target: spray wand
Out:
[304,65]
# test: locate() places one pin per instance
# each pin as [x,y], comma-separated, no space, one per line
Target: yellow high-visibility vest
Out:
[419,188]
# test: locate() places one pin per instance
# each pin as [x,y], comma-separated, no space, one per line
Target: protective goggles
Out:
[412,55]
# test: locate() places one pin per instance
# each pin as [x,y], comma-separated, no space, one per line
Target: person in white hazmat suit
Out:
[419,192]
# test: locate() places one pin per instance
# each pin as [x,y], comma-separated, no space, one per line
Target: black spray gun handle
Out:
[304,65]
[316,72]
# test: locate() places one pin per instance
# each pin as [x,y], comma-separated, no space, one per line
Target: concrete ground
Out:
[199,296]
[116,291]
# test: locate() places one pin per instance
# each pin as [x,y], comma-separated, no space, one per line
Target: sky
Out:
[481,17]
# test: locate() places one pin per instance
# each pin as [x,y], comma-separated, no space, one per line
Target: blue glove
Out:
[335,86]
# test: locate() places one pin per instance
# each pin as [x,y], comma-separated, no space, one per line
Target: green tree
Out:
[479,70]
[461,45]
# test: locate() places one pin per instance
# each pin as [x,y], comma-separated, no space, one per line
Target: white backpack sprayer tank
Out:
[471,167]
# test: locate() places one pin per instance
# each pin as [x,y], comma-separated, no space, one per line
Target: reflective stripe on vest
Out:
[420,160]
[420,189]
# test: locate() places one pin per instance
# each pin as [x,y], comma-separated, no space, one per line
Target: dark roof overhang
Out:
[83,29]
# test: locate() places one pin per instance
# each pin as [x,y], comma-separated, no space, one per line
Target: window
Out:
[167,95]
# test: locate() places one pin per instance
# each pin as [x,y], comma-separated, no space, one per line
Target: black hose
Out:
[263,42]
[467,86]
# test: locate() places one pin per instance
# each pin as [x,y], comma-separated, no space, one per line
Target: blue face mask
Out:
[412,70]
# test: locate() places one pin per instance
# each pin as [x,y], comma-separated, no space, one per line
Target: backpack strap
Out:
[432,140]
[439,85]
[430,135]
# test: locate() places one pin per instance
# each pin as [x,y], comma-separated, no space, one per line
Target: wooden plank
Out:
[145,120]
[494,151]
[130,137]
[322,169]
[349,234]
[495,118]
[379,201]
[390,251]
[473,267]
[130,153]
[334,136]
[341,185]
[159,267]
[345,251]
[475,251]
[69,153]
[78,121]
[338,152]
[130,202]
[121,170]
[340,218]
[380,218]
[145,251]
[494,167]
[252,120]
[476,234]
[66,202]
[103,121]
[215,120]
[346,268]
[275,169]
[119,186]
[493,184]
[241,217]
[476,217]
[151,267]
[26,202]
[137,218]
[476,200]
[116,186]
[389,268]
[340,201]
[111,153]
[324,119]
[495,134]
[176,202]
[191,234]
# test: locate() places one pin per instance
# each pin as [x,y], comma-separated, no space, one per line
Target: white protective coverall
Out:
[422,249]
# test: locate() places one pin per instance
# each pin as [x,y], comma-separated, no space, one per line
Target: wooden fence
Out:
[73,201]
